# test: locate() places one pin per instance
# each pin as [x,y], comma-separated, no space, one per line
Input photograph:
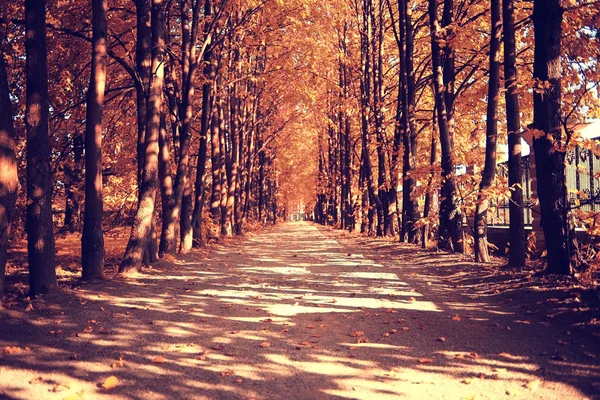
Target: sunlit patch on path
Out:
[298,311]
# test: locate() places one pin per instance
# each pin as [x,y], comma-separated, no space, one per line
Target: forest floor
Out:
[304,311]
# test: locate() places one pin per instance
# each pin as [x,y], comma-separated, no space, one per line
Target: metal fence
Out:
[583,183]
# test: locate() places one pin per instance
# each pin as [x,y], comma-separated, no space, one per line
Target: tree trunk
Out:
[92,239]
[550,160]
[40,235]
[215,149]
[491,135]
[429,195]
[72,221]
[166,187]
[517,239]
[410,205]
[143,221]
[9,179]
[450,227]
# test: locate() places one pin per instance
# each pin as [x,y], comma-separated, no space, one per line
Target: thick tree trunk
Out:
[517,238]
[451,218]
[550,161]
[92,240]
[410,205]
[491,135]
[142,225]
[40,234]
[9,179]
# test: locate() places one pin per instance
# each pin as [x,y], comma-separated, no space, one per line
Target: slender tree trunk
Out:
[550,160]
[215,149]
[517,239]
[200,181]
[200,191]
[9,179]
[143,221]
[429,195]
[166,186]
[72,221]
[40,234]
[384,226]
[92,240]
[491,135]
[451,218]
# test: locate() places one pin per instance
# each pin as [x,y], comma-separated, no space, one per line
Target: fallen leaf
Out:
[59,388]
[37,379]
[227,372]
[441,339]
[467,381]
[29,307]
[265,345]
[456,318]
[425,360]
[472,356]
[110,382]
[12,350]
[158,360]
[357,334]
[405,328]
[533,385]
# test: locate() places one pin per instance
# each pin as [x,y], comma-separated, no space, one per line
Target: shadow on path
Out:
[302,311]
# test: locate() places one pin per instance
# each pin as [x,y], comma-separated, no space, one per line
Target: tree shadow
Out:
[298,312]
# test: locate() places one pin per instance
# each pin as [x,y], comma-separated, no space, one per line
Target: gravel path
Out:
[302,311]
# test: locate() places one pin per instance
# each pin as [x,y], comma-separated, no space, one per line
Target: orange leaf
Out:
[265,344]
[425,360]
[456,318]
[158,360]
[110,382]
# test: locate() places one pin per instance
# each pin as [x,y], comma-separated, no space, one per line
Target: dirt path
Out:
[302,311]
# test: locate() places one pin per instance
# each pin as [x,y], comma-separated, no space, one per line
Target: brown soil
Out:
[302,311]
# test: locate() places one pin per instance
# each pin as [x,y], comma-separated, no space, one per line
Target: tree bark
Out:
[142,224]
[450,227]
[550,160]
[40,235]
[215,149]
[92,239]
[166,186]
[517,239]
[491,135]
[410,204]
[72,221]
[9,179]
